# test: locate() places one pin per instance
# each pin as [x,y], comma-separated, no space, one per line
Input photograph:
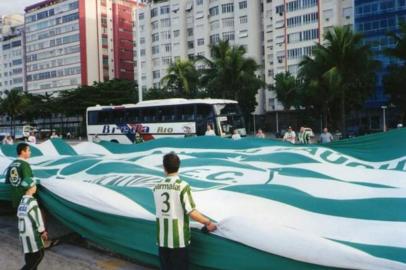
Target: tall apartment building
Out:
[374,19]
[11,52]
[292,28]
[179,29]
[77,42]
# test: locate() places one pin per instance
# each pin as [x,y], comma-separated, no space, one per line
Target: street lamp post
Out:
[384,117]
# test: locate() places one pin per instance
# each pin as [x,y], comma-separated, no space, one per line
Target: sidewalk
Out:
[61,257]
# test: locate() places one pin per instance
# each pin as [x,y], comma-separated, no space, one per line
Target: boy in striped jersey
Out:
[174,205]
[31,227]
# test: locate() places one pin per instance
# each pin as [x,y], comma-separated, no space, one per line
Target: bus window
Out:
[148,115]
[92,118]
[185,113]
[166,114]
[204,111]
[133,116]
[119,116]
[104,117]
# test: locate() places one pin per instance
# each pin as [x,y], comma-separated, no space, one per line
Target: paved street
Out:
[61,257]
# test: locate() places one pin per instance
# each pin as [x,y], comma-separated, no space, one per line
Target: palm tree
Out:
[395,80]
[230,74]
[14,105]
[399,50]
[182,78]
[345,68]
[316,92]
[287,90]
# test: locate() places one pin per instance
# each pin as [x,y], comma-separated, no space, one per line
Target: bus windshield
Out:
[230,118]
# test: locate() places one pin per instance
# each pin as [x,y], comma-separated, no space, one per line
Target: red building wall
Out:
[123,39]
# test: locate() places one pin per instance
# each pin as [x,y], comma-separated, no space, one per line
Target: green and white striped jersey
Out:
[30,224]
[173,202]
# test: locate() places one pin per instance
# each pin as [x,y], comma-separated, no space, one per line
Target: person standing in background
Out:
[290,136]
[326,136]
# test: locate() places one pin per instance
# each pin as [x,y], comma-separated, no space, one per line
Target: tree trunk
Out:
[342,107]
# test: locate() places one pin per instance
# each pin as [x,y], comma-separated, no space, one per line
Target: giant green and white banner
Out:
[278,206]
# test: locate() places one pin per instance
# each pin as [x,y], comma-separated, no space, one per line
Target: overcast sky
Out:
[15,6]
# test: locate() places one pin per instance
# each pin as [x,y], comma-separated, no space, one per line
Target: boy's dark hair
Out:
[171,162]
[22,147]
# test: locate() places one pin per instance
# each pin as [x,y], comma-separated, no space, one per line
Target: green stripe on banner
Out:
[68,160]
[79,166]
[389,253]
[135,238]
[374,147]
[384,209]
[63,148]
[5,192]
[11,150]
[299,172]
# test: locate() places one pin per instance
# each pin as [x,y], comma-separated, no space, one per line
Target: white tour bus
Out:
[163,118]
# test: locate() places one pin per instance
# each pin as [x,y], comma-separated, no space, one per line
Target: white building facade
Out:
[11,53]
[291,31]
[77,42]
[181,29]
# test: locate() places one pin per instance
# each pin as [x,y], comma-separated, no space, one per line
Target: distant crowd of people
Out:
[32,138]
[306,136]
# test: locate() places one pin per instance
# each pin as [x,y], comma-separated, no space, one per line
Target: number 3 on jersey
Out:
[166,202]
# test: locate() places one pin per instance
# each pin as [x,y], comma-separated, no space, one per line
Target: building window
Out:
[310,18]
[243,19]
[167,47]
[141,16]
[190,45]
[155,49]
[228,22]
[154,12]
[243,4]
[200,42]
[227,8]
[190,32]
[309,3]
[214,39]
[214,25]
[166,60]
[293,5]
[228,35]
[176,33]
[166,35]
[214,11]
[328,15]
[165,10]
[156,74]
[347,12]
[155,37]
[294,21]
[311,34]
[166,22]
[199,2]
[154,25]
[295,53]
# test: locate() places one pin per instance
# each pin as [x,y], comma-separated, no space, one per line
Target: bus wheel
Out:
[114,141]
